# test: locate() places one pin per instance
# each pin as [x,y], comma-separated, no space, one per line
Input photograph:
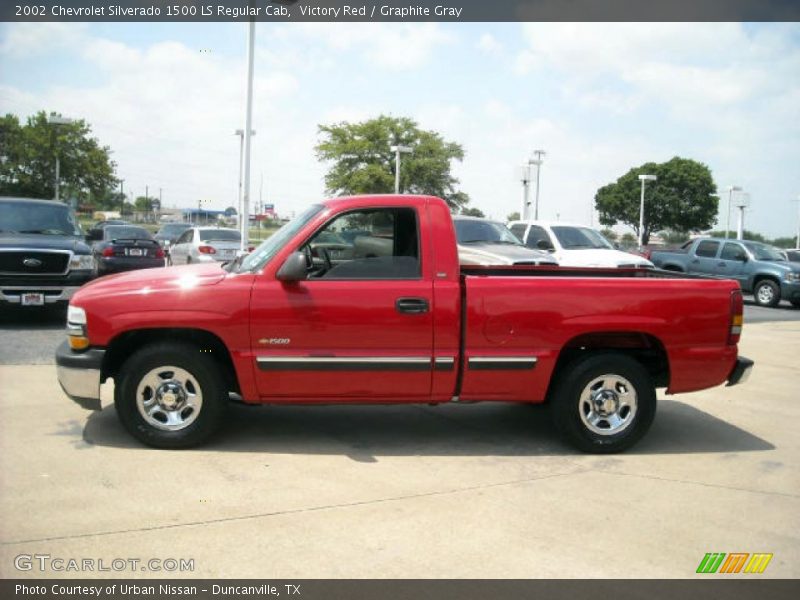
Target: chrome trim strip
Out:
[486,363]
[344,363]
[443,363]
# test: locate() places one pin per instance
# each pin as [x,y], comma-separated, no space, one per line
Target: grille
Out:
[38,262]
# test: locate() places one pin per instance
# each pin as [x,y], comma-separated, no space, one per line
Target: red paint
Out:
[506,316]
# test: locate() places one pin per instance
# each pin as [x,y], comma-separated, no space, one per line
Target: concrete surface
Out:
[403,492]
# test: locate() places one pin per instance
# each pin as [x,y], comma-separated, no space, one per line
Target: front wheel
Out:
[767,293]
[604,403]
[170,395]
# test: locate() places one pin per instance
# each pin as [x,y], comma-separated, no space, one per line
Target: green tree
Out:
[362,161]
[28,157]
[679,199]
[785,242]
[513,217]
[473,212]
[609,234]
[674,237]
[627,240]
[747,235]
[143,204]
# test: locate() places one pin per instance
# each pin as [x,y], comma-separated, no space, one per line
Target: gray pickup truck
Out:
[759,268]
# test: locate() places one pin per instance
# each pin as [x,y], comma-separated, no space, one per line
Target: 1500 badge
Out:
[275,341]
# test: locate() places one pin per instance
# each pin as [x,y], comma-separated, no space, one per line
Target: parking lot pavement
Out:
[479,491]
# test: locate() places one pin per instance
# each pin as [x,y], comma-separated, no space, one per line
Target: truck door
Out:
[361,326]
[731,263]
[704,261]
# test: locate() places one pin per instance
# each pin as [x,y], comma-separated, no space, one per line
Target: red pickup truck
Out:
[363,300]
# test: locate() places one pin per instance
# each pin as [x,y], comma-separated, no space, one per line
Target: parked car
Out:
[169,234]
[100,225]
[792,255]
[44,258]
[124,248]
[396,321]
[759,268]
[575,245]
[485,242]
[205,244]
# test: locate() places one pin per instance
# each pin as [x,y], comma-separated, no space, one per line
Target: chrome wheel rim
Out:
[607,405]
[765,294]
[169,398]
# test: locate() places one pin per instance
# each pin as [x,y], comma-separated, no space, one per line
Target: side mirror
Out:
[94,235]
[293,268]
[743,258]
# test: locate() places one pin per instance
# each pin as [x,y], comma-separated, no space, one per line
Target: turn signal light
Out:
[108,251]
[159,252]
[206,250]
[78,342]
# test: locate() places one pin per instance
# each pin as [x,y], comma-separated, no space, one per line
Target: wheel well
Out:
[646,349]
[759,278]
[675,268]
[124,345]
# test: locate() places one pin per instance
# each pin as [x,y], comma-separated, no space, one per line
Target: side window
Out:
[519,230]
[366,244]
[707,249]
[536,235]
[732,252]
[184,237]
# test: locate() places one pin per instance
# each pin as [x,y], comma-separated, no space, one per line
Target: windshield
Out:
[580,238]
[270,247]
[173,229]
[220,235]
[33,217]
[764,252]
[122,232]
[471,232]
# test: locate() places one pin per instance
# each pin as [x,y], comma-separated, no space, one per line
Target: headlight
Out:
[76,328]
[792,277]
[81,262]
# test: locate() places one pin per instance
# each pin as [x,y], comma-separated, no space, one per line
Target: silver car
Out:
[205,244]
[489,243]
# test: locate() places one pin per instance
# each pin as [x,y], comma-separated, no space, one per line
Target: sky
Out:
[599,98]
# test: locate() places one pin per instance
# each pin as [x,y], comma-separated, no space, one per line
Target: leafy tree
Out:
[230,212]
[680,198]
[28,156]
[513,217]
[747,235]
[362,161]
[143,204]
[472,212]
[628,239]
[674,237]
[785,242]
[609,234]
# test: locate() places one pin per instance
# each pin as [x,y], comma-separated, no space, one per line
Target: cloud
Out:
[489,44]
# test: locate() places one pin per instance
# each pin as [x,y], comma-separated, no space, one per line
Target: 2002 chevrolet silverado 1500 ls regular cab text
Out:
[362,300]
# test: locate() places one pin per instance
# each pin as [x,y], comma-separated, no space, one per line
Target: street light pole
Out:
[240,133]
[538,162]
[643,178]
[526,180]
[122,195]
[54,120]
[397,149]
[248,132]
[731,189]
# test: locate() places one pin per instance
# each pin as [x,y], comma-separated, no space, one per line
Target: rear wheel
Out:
[767,293]
[170,395]
[795,303]
[604,403]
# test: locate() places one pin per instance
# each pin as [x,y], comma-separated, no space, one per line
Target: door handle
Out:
[412,306]
[720,264]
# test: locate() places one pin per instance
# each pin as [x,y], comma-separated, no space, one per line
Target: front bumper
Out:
[79,374]
[52,294]
[741,371]
[790,291]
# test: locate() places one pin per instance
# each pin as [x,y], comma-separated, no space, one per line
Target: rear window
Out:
[173,229]
[219,235]
[121,232]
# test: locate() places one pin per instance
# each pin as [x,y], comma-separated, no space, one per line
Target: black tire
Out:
[767,293]
[204,376]
[188,260]
[567,405]
[795,303]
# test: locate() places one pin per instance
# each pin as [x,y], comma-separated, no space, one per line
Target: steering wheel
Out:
[326,258]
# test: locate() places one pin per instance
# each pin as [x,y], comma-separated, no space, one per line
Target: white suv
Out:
[574,245]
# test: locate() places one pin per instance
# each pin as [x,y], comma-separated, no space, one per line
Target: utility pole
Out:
[797,244]
[643,178]
[525,174]
[122,194]
[538,162]
[248,132]
[58,120]
[744,202]
[397,149]
[146,199]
